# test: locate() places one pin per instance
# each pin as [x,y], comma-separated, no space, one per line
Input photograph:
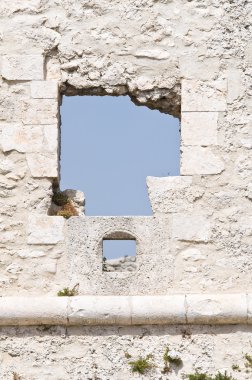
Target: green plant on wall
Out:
[248,363]
[67,208]
[204,376]
[67,292]
[224,376]
[171,358]
[198,376]
[142,364]
[236,367]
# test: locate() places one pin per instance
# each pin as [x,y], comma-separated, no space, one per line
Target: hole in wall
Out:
[108,148]
[119,255]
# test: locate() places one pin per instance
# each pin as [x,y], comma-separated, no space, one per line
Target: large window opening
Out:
[108,148]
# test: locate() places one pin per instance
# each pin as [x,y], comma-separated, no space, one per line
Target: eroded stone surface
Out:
[199,238]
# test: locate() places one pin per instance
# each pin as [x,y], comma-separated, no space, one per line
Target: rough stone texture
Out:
[99,352]
[169,55]
[84,244]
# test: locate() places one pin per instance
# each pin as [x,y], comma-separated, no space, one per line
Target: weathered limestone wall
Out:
[191,59]
[93,353]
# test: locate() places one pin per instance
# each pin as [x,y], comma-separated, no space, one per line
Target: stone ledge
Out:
[127,310]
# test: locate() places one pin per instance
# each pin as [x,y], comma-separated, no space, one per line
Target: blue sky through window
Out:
[108,148]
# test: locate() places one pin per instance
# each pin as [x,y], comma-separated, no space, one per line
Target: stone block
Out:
[249,304]
[23,67]
[43,229]
[192,68]
[200,160]
[40,111]
[19,137]
[22,311]
[192,255]
[190,227]
[44,89]
[169,183]
[99,310]
[199,96]
[199,128]
[158,310]
[216,308]
[248,53]
[51,134]
[167,193]
[30,254]
[234,84]
[245,225]
[50,266]
[43,165]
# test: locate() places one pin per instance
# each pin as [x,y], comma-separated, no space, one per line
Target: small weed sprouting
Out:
[67,210]
[248,363]
[235,367]
[60,199]
[127,355]
[171,358]
[67,207]
[141,365]
[224,376]
[66,292]
[204,376]
[65,213]
[199,376]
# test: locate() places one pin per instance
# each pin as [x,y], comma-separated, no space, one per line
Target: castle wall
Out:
[191,59]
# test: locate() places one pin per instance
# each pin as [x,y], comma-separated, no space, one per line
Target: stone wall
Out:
[191,59]
[95,353]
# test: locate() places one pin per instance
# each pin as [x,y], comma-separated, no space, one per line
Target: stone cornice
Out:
[221,308]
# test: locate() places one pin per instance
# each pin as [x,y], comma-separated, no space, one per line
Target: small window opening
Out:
[119,255]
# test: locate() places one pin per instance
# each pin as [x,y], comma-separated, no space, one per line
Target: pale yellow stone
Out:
[203,96]
[44,89]
[23,67]
[43,164]
[199,128]
[200,160]
[43,229]
[190,227]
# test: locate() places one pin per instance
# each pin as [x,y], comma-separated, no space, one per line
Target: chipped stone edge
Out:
[127,310]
